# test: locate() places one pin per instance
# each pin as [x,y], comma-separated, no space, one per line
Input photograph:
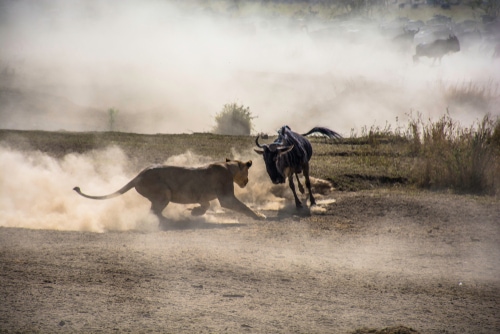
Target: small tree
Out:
[112,113]
[234,120]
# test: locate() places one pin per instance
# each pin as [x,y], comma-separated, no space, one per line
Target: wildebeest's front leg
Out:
[308,184]
[301,188]
[298,203]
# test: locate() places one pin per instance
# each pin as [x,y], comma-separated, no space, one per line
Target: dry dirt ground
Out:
[374,261]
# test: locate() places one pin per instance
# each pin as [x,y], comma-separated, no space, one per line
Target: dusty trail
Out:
[377,259]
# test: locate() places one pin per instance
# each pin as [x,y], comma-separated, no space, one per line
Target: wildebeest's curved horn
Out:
[257,142]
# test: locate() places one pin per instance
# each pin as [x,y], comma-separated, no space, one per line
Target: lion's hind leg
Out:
[157,207]
[200,210]
[159,199]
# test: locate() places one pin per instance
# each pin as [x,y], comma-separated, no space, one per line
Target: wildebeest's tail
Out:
[117,193]
[325,131]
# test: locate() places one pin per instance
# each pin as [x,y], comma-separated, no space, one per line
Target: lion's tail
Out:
[117,193]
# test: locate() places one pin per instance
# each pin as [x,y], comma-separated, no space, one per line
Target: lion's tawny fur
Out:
[162,184]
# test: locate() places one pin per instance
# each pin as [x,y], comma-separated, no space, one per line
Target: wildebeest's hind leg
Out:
[298,203]
[301,188]
[200,210]
[308,185]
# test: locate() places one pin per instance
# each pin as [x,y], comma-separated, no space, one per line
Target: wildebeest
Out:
[437,49]
[289,154]
[405,40]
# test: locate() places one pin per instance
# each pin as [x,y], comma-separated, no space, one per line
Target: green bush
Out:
[234,120]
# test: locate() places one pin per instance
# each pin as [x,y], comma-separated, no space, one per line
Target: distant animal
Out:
[405,40]
[437,49]
[289,154]
[496,51]
[162,184]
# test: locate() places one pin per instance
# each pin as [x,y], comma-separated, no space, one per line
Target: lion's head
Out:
[239,170]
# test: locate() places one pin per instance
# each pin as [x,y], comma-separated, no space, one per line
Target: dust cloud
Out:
[169,67]
[36,192]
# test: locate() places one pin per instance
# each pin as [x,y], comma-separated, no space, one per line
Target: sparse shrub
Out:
[413,135]
[112,114]
[376,135]
[234,120]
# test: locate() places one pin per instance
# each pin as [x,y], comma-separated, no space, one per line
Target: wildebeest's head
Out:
[271,154]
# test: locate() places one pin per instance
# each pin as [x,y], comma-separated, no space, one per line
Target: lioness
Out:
[163,184]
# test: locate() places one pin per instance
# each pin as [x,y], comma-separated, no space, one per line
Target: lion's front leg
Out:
[231,202]
[200,210]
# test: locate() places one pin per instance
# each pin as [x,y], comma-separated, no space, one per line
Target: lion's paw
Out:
[260,216]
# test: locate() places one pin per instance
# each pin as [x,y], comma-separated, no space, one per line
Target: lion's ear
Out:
[228,160]
[249,163]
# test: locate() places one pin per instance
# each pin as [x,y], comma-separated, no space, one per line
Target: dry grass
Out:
[480,96]
[466,159]
[439,154]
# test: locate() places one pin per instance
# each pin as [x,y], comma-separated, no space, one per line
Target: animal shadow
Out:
[197,224]
[290,212]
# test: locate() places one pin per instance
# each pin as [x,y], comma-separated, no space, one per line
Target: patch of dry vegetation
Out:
[480,96]
[440,154]
[466,159]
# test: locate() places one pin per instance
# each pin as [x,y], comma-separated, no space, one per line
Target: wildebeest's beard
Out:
[274,174]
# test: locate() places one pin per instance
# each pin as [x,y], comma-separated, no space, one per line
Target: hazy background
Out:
[169,67]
